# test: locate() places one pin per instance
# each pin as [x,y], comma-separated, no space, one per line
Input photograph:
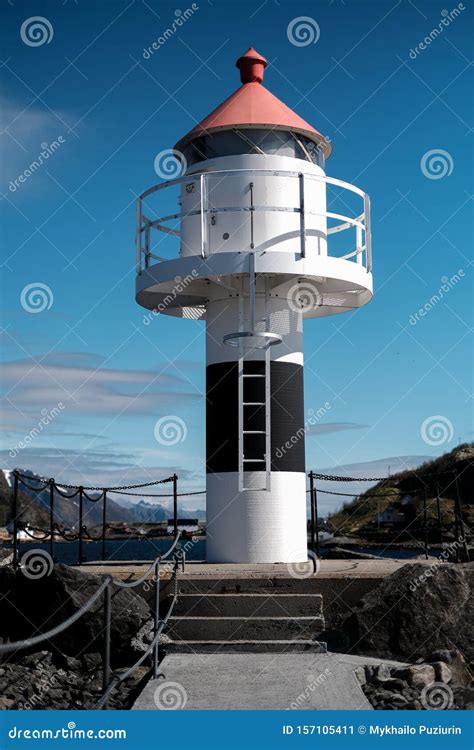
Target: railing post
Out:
[359,244]
[175,504]
[311,497]
[425,523]
[368,234]
[104,523]
[440,520]
[156,618]
[138,245]
[15,519]
[203,190]
[81,503]
[252,211]
[107,628]
[458,510]
[51,518]
[302,215]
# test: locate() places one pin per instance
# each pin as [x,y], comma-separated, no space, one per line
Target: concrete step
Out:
[249,605]
[236,585]
[244,628]
[255,646]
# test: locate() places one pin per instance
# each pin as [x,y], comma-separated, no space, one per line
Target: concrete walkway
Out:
[197,570]
[229,681]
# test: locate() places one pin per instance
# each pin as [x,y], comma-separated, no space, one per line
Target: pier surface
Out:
[199,570]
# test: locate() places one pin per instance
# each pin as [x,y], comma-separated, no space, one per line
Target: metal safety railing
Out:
[360,223]
[110,680]
[82,493]
[450,483]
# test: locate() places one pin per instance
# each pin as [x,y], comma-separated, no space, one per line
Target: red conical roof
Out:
[252,105]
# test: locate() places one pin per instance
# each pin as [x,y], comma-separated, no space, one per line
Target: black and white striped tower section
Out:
[260,251]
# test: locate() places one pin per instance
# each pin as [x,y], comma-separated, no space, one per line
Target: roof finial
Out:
[251,66]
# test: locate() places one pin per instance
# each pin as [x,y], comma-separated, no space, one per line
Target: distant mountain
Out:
[34,505]
[154,512]
[28,511]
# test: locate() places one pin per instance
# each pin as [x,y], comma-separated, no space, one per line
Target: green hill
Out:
[402,497]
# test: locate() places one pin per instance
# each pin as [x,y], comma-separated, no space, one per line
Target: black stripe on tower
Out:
[286,415]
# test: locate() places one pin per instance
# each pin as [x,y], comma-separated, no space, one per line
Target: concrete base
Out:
[247,647]
[230,681]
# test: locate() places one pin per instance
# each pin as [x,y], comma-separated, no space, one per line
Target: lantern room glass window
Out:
[253,141]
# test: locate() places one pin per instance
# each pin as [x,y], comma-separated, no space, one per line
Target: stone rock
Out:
[395,684]
[415,606]
[37,605]
[418,675]
[360,675]
[382,695]
[92,662]
[399,701]
[442,671]
[460,673]
[382,672]
[442,655]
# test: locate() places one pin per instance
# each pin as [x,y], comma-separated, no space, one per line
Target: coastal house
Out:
[390,514]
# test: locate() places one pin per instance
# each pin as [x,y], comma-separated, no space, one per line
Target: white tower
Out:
[259,252]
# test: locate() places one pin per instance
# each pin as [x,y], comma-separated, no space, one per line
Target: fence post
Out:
[425,523]
[311,497]
[458,511]
[175,504]
[51,518]
[106,655]
[15,519]
[81,502]
[440,519]
[156,618]
[104,523]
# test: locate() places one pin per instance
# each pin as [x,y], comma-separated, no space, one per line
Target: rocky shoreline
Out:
[442,683]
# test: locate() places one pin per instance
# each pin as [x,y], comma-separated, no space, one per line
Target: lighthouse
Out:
[257,251]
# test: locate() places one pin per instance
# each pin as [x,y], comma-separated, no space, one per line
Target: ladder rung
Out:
[254,460]
[254,432]
[256,489]
[252,375]
[253,403]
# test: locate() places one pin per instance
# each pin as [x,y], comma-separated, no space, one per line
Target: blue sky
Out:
[70,226]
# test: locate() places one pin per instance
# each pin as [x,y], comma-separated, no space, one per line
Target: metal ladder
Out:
[245,463]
